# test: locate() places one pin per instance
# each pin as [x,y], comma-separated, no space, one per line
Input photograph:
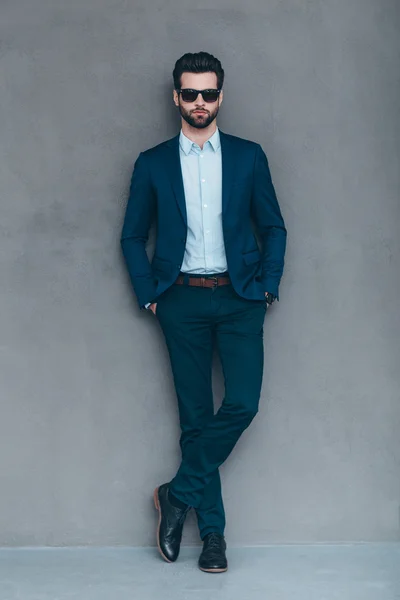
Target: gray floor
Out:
[295,572]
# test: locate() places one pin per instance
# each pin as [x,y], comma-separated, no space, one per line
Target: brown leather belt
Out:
[207,282]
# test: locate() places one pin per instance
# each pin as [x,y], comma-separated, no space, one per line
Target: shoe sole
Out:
[213,570]
[157,505]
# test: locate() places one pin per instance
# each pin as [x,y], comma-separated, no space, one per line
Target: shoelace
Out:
[214,540]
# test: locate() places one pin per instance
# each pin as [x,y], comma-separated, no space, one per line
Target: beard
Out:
[198,121]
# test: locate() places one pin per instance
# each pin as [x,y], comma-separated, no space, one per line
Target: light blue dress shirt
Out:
[202,181]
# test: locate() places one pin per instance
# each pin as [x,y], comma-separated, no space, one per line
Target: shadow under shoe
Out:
[170,524]
[213,558]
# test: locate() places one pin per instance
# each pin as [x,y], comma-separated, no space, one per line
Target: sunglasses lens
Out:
[210,95]
[188,95]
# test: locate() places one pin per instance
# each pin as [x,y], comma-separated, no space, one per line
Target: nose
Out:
[200,101]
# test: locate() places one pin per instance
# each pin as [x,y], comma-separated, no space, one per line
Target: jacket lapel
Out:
[175,172]
[228,169]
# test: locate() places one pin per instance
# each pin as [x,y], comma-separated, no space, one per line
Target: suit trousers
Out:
[194,321]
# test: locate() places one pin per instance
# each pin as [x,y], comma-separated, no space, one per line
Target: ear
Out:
[175,97]
[221,96]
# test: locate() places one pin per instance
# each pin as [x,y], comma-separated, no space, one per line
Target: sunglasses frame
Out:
[218,90]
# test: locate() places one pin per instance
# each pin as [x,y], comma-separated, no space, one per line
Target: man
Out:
[208,283]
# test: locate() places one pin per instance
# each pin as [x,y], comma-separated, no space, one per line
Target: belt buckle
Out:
[215,281]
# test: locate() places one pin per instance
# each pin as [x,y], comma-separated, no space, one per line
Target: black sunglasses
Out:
[190,95]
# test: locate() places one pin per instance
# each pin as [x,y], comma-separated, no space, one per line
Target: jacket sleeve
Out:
[140,211]
[269,222]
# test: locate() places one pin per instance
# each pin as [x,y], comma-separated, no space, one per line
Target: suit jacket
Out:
[249,205]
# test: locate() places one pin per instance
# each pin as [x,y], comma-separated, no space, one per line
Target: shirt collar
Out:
[187,144]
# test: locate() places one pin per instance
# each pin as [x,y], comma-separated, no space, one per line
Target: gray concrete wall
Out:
[88,417]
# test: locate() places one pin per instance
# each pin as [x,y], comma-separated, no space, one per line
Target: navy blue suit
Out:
[194,319]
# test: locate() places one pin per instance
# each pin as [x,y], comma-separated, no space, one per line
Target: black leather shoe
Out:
[170,524]
[213,558]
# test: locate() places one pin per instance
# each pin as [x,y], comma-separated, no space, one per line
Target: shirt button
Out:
[203,180]
[205,205]
[201,155]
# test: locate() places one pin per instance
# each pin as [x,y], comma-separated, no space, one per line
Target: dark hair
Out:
[197,62]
